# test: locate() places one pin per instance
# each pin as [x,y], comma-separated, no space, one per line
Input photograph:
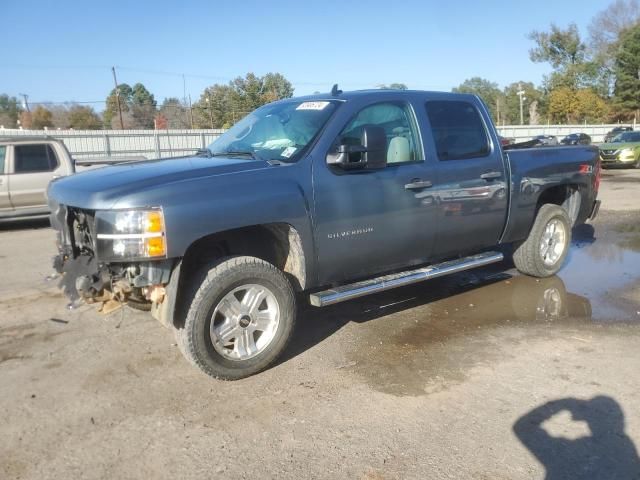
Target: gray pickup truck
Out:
[323,198]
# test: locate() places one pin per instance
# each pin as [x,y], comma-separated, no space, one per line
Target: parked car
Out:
[546,140]
[623,150]
[27,165]
[576,139]
[326,197]
[616,131]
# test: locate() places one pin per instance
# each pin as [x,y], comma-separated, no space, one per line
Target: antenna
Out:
[335,91]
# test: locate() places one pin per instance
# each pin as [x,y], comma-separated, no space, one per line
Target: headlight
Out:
[626,152]
[130,234]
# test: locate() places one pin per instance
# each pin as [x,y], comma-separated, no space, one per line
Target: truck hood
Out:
[101,187]
[618,146]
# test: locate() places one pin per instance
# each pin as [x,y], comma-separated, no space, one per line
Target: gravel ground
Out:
[482,375]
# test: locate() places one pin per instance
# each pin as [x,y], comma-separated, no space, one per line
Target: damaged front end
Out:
[100,265]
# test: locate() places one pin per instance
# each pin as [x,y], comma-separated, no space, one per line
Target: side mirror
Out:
[370,154]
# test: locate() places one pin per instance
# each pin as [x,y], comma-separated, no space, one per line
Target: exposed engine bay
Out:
[85,279]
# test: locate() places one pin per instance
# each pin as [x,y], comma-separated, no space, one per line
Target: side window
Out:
[3,154]
[398,122]
[34,158]
[458,130]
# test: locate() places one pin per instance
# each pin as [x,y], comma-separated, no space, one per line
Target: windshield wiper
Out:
[237,153]
[204,152]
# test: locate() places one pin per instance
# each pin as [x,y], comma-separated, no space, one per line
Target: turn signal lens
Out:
[153,222]
[155,247]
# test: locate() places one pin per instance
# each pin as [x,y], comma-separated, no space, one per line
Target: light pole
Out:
[520,94]
[208,99]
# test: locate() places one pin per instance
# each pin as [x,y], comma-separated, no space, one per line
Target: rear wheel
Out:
[240,319]
[543,253]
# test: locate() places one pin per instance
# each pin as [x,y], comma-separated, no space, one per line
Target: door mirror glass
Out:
[369,152]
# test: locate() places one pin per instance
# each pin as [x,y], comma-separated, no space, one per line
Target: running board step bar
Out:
[387,282]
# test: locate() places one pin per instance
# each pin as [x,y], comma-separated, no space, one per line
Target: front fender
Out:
[197,208]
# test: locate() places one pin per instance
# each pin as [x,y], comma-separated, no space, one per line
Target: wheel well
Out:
[566,196]
[276,243]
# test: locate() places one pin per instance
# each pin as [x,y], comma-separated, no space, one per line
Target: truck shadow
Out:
[487,296]
[484,297]
[605,452]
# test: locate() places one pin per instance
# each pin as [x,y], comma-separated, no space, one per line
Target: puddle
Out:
[418,339]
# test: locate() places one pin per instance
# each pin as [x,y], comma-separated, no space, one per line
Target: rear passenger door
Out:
[471,182]
[33,167]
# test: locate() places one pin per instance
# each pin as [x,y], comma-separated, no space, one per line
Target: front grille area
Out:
[74,230]
[81,224]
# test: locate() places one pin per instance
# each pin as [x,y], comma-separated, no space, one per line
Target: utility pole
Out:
[191,111]
[520,94]
[26,101]
[184,89]
[113,69]
[208,99]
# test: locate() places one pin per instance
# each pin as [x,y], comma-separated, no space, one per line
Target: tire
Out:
[139,305]
[253,310]
[530,257]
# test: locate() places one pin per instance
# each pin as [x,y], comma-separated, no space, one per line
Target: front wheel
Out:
[543,253]
[240,319]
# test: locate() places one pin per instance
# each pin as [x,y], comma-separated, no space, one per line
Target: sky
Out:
[63,50]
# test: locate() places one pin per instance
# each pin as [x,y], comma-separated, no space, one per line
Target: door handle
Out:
[491,175]
[417,184]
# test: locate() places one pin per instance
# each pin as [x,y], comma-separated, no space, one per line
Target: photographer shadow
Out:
[608,453]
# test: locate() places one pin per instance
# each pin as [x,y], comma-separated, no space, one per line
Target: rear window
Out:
[34,158]
[458,130]
[3,153]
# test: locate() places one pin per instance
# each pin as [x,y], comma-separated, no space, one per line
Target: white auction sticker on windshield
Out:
[312,105]
[287,152]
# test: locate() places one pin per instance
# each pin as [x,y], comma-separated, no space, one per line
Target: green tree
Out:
[41,117]
[627,71]
[488,91]
[9,111]
[175,113]
[84,118]
[393,86]
[565,51]
[138,107]
[223,105]
[276,87]
[142,106]
[511,106]
[110,114]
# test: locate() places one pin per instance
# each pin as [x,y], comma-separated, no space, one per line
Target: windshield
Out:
[627,137]
[279,131]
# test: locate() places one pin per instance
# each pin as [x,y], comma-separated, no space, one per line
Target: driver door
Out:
[372,221]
